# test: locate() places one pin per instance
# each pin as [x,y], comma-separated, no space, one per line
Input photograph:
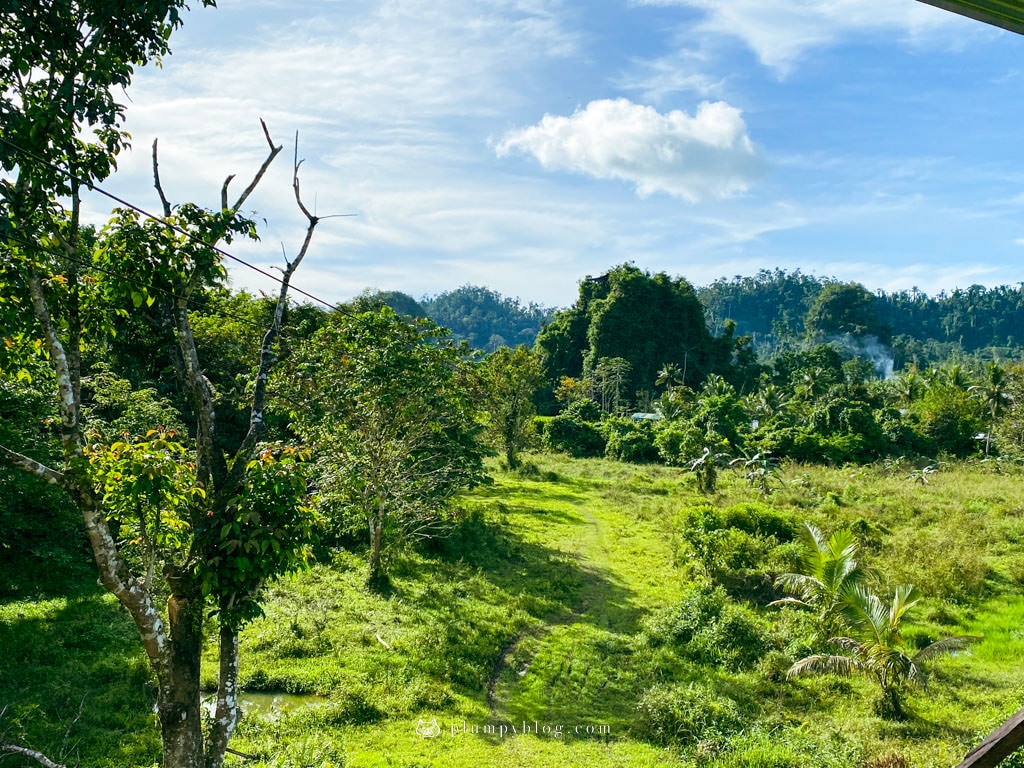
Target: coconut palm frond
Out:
[789,601]
[846,644]
[905,597]
[842,545]
[864,611]
[802,585]
[944,646]
[824,664]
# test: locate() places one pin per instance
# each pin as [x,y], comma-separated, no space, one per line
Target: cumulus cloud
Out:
[708,155]
[780,31]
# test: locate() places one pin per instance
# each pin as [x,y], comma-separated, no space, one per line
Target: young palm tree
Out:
[830,570]
[994,395]
[876,649]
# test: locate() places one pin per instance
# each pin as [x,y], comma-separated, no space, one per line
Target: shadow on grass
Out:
[553,585]
[74,683]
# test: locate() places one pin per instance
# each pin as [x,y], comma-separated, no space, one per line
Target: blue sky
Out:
[523,144]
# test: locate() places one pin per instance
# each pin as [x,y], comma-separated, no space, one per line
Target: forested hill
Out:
[775,306]
[482,317]
[777,309]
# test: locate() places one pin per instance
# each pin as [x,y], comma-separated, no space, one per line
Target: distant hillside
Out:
[486,319]
[773,306]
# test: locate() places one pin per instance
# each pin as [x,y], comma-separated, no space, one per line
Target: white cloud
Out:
[695,158]
[780,31]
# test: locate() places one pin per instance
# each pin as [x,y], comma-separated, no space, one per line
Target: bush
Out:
[679,623]
[678,443]
[686,715]
[579,439]
[736,546]
[586,410]
[628,440]
[708,628]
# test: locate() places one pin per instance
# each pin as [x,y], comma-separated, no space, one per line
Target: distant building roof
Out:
[645,417]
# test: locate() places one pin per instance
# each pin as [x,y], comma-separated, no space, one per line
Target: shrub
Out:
[579,439]
[628,440]
[708,628]
[585,410]
[686,715]
[735,546]
[678,443]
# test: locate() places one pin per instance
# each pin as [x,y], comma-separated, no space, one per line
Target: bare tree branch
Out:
[31,466]
[262,170]
[267,357]
[224,192]
[33,754]
[156,183]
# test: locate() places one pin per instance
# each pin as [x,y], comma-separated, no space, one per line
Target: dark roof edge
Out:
[999,13]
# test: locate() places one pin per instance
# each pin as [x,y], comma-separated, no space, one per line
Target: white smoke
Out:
[868,348]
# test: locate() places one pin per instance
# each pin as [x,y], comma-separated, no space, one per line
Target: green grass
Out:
[555,602]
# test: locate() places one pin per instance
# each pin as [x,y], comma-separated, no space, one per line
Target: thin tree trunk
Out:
[226,715]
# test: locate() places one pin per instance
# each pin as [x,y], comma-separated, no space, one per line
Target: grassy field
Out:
[570,620]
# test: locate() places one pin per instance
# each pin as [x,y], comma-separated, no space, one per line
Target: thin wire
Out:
[138,209]
[130,280]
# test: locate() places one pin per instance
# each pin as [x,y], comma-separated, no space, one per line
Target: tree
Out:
[610,377]
[994,395]
[830,570]
[510,378]
[387,406]
[876,647]
[164,518]
[204,526]
[650,321]
[845,308]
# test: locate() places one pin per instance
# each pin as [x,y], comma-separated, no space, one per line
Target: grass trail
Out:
[544,673]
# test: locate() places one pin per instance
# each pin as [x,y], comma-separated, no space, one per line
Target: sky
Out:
[524,144]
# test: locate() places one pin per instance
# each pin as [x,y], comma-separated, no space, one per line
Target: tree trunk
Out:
[178,694]
[226,715]
[377,578]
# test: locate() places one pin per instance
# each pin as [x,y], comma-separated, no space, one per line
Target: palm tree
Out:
[830,570]
[876,648]
[994,395]
[766,401]
[670,376]
[908,388]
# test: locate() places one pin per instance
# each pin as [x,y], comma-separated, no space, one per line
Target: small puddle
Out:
[264,702]
[261,703]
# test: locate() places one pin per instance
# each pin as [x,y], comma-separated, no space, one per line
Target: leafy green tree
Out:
[387,406]
[649,321]
[950,417]
[190,507]
[845,308]
[510,378]
[719,411]
[875,648]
